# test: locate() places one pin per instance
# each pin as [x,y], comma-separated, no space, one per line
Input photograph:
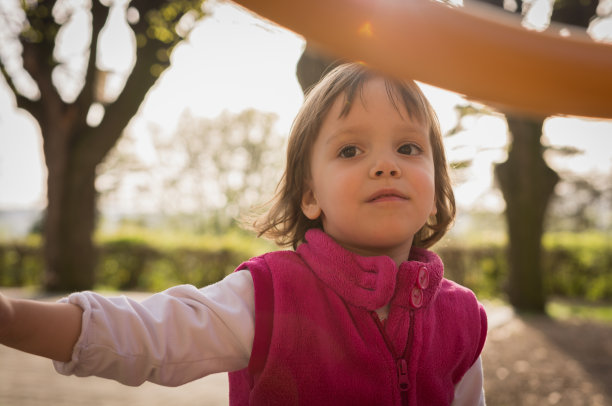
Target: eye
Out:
[409,149]
[349,151]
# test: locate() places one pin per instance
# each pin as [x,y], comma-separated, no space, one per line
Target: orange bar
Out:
[479,51]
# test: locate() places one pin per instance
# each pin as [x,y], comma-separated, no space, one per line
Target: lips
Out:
[387,195]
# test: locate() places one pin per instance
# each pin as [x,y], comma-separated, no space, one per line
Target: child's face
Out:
[372,176]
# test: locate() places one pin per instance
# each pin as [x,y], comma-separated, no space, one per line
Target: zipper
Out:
[400,361]
[410,334]
[402,374]
[404,394]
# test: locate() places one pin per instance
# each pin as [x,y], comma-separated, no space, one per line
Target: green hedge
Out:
[20,264]
[482,269]
[576,265]
[579,266]
[138,260]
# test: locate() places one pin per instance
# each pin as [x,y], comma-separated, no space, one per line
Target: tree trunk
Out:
[527,184]
[311,67]
[72,148]
[70,219]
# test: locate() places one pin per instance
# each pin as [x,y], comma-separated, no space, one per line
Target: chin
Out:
[384,241]
[390,236]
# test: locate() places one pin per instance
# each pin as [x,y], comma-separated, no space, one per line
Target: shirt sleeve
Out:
[470,390]
[171,338]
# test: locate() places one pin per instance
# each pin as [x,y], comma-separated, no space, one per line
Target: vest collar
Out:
[373,282]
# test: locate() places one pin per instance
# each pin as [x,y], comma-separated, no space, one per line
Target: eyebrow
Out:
[352,130]
[360,130]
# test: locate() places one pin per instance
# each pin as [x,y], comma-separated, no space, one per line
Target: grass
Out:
[567,309]
[171,239]
[564,309]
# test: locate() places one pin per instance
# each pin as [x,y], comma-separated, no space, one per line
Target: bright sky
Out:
[233,61]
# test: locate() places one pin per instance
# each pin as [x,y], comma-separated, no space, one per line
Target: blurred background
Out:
[133,136]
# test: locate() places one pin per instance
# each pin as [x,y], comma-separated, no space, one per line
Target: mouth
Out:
[387,195]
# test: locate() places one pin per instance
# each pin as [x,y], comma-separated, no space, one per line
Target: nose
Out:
[385,166]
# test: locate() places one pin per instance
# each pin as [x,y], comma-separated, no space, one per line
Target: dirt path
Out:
[31,381]
[527,361]
[539,361]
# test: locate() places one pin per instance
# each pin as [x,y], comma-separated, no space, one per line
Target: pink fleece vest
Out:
[318,339]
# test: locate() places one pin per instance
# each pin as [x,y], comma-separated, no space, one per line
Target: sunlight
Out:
[22,171]
[537,16]
[116,43]
[366,30]
[232,61]
[72,52]
[592,137]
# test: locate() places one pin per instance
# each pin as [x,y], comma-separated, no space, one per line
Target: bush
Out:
[142,260]
[153,261]
[21,263]
[579,265]
[482,269]
[575,265]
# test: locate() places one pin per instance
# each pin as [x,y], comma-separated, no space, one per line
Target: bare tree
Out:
[39,75]
[528,183]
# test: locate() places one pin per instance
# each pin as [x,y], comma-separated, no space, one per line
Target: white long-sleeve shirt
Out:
[183,334]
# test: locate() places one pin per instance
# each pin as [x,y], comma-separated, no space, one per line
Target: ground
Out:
[527,361]
[534,360]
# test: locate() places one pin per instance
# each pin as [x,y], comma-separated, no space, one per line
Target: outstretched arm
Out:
[46,329]
[170,338]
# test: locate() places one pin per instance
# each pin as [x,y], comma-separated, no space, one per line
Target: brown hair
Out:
[284,222]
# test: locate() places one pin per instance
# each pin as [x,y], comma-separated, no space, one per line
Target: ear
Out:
[310,205]
[434,209]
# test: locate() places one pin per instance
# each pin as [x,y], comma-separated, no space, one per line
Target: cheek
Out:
[426,186]
[337,183]
[424,177]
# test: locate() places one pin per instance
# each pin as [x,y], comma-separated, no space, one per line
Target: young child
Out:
[358,314]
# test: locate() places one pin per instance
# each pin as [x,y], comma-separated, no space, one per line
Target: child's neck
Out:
[398,255]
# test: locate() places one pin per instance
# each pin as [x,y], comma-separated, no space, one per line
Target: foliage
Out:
[483,268]
[132,259]
[219,167]
[142,259]
[582,203]
[52,59]
[525,179]
[574,309]
[576,266]
[583,272]
[21,263]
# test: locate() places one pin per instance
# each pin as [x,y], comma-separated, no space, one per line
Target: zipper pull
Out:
[402,375]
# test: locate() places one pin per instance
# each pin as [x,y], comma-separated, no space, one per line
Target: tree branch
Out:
[38,42]
[32,106]
[87,95]
[119,113]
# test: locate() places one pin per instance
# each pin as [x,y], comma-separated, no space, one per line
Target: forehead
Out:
[373,93]
[371,115]
[404,97]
